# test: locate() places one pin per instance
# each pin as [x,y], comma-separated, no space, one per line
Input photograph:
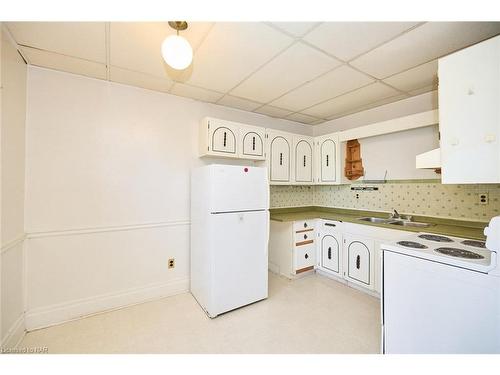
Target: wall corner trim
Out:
[15,334]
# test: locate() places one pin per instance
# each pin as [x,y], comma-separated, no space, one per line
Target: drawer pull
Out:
[329,253]
[358,262]
[306,256]
[330,225]
[305,236]
[305,225]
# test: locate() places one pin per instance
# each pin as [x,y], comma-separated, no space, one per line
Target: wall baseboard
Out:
[77,309]
[15,334]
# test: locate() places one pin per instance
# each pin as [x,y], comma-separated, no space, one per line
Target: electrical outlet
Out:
[171,263]
[483,198]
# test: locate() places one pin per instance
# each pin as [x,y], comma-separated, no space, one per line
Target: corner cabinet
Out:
[469,114]
[229,139]
[327,159]
[279,157]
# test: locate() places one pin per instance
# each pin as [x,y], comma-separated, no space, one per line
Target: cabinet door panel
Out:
[224,140]
[253,144]
[303,161]
[330,253]
[359,254]
[328,161]
[469,114]
[279,158]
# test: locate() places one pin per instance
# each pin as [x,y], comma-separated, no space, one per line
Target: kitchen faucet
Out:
[395,215]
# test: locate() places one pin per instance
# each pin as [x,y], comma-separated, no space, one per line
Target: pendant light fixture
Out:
[175,49]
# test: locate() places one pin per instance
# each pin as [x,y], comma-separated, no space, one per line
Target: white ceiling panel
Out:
[85,40]
[198,93]
[329,85]
[234,102]
[146,81]
[137,45]
[423,90]
[273,111]
[305,119]
[422,44]
[297,29]
[352,100]
[415,78]
[295,66]
[346,40]
[232,51]
[64,63]
[377,103]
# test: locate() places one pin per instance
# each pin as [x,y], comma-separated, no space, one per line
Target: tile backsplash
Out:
[428,198]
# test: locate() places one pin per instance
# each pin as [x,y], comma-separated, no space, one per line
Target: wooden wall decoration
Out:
[353,162]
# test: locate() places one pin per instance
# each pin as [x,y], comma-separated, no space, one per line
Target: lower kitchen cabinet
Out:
[359,260]
[329,247]
[292,247]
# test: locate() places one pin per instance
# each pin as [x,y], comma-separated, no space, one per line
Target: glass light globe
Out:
[177,52]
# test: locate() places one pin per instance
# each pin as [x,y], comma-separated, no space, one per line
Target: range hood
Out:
[429,160]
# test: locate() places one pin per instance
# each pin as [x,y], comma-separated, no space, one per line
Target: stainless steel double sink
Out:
[399,222]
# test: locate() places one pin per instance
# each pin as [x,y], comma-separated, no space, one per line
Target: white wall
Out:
[394,152]
[107,192]
[13,111]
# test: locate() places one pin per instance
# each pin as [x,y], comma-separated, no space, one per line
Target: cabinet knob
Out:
[306,256]
[305,236]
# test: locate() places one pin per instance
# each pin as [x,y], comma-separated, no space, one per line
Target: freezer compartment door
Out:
[239,245]
[238,188]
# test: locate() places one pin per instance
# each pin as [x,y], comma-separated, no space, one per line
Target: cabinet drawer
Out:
[303,225]
[304,256]
[303,236]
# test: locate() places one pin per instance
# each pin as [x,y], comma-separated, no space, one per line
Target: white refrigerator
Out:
[229,236]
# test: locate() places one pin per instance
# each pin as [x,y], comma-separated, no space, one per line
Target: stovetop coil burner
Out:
[435,237]
[473,243]
[412,244]
[458,253]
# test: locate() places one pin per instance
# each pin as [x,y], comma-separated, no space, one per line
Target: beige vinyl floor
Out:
[309,315]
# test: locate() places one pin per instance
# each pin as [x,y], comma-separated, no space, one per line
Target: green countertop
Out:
[450,227]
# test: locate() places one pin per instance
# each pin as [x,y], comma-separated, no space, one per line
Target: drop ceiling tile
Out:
[352,100]
[234,102]
[296,29]
[300,117]
[232,51]
[273,111]
[64,63]
[137,45]
[422,44]
[317,122]
[346,40]
[329,85]
[84,40]
[138,79]
[423,90]
[295,66]
[415,78]
[377,103]
[197,93]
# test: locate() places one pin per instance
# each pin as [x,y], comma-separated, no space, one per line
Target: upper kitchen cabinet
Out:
[327,159]
[279,157]
[252,142]
[223,138]
[469,114]
[303,160]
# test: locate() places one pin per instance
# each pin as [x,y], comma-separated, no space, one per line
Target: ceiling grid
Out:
[308,72]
